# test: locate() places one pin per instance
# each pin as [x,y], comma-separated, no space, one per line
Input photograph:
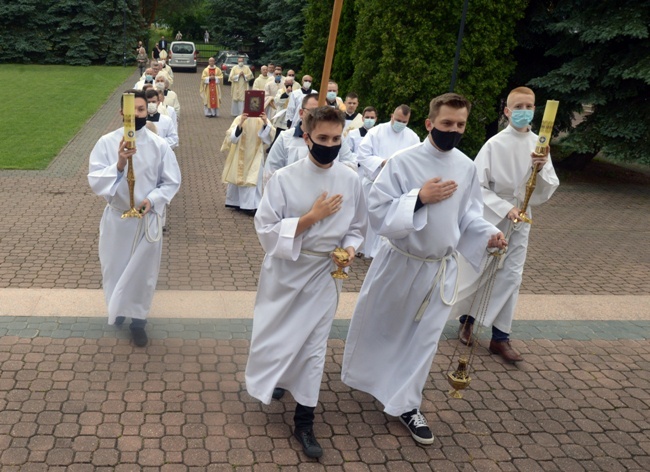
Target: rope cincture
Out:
[440,274]
[143,227]
[307,252]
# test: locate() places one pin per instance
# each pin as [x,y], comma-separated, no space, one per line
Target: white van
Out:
[182,55]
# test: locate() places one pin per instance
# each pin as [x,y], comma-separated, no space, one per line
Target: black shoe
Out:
[278,393]
[307,440]
[119,321]
[140,338]
[417,426]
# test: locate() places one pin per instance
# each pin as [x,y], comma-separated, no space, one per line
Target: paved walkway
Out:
[76,395]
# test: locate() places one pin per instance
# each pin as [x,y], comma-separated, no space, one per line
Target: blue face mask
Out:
[398,127]
[277,79]
[148,78]
[368,123]
[331,96]
[521,118]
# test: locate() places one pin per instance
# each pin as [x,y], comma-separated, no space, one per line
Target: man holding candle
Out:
[130,248]
[504,165]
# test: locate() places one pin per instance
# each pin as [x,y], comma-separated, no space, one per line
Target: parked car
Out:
[182,55]
[225,60]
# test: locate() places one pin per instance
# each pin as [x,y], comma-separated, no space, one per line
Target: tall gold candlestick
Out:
[128,111]
[544,139]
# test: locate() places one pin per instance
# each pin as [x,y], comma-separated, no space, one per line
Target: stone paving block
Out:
[197,415]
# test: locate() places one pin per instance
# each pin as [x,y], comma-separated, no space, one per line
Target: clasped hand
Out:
[540,160]
[497,241]
[350,251]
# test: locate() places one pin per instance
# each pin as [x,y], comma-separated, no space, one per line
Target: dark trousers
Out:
[303,418]
[497,334]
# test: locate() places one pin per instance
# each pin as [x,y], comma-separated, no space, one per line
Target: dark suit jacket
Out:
[162,45]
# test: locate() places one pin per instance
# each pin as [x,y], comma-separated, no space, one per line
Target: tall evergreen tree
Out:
[595,54]
[238,25]
[69,32]
[284,23]
[25,32]
[405,54]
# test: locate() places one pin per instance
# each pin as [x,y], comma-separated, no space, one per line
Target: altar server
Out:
[504,165]
[308,209]
[380,143]
[130,248]
[165,127]
[427,205]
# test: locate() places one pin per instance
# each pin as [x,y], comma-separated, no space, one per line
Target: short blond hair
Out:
[520,91]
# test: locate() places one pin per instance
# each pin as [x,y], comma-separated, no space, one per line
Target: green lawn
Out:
[44,106]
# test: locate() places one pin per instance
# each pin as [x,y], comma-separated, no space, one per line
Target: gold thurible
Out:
[459,379]
[128,111]
[342,256]
[544,140]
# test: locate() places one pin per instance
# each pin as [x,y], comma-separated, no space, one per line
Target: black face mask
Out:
[323,154]
[140,122]
[446,140]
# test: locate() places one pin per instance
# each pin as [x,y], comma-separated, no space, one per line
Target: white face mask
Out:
[306,84]
[152,108]
[240,64]
[369,122]
[160,85]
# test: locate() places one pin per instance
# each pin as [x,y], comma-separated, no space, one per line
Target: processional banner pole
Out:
[329,54]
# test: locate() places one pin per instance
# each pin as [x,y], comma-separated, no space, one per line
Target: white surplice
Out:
[295,104]
[297,297]
[166,129]
[504,166]
[130,249]
[379,144]
[291,147]
[389,351]
[353,139]
[171,100]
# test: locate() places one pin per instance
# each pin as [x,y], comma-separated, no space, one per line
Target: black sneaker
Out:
[140,338]
[307,440]
[417,425]
[119,320]
[278,393]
